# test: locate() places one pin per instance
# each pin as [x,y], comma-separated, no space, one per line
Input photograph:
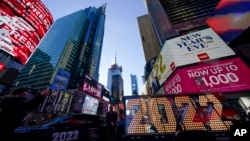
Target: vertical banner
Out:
[78,102]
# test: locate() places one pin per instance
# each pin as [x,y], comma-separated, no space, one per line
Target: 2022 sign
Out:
[65,136]
[184,114]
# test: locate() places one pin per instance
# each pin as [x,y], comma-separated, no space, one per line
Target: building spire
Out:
[115,57]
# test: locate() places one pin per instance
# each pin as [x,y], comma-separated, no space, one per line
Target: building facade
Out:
[174,18]
[73,44]
[134,84]
[171,19]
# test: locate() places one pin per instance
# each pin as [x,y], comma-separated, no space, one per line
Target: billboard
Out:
[22,26]
[188,49]
[92,87]
[230,18]
[224,76]
[90,105]
[61,80]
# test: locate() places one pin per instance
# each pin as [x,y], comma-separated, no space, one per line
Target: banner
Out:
[61,80]
[92,87]
[224,76]
[189,49]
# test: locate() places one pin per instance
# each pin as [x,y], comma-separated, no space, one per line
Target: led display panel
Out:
[92,87]
[189,49]
[90,105]
[224,76]
[23,23]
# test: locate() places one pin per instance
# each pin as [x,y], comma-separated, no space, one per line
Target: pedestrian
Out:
[15,108]
[111,119]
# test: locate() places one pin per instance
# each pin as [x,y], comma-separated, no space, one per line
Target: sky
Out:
[121,35]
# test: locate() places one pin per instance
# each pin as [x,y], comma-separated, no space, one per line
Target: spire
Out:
[115,57]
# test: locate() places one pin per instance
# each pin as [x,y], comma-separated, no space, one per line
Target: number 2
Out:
[65,136]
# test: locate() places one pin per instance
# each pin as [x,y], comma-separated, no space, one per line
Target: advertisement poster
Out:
[77,103]
[92,87]
[49,104]
[224,76]
[61,80]
[22,26]
[189,49]
[64,102]
[198,46]
[90,105]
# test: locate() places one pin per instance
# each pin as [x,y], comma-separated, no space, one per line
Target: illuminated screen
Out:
[102,108]
[77,103]
[92,87]
[161,115]
[90,105]
[22,26]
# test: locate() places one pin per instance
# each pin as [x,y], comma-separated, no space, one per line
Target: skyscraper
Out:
[134,85]
[170,19]
[174,18]
[115,81]
[73,45]
[150,44]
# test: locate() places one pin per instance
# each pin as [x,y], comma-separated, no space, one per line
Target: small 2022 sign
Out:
[65,136]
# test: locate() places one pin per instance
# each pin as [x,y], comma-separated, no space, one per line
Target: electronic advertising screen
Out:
[92,87]
[102,108]
[78,102]
[64,102]
[60,80]
[166,115]
[22,26]
[90,105]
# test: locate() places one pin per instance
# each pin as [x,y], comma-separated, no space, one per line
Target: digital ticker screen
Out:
[169,114]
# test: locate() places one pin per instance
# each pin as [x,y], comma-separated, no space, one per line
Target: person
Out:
[15,108]
[111,119]
[248,111]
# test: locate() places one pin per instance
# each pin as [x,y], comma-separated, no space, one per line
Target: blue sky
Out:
[121,37]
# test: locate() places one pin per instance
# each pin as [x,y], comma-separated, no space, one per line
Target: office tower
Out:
[170,19]
[71,49]
[150,44]
[22,25]
[134,84]
[174,18]
[115,81]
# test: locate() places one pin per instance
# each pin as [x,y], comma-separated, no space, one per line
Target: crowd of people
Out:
[15,107]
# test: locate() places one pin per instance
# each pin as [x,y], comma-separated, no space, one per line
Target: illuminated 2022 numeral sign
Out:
[158,115]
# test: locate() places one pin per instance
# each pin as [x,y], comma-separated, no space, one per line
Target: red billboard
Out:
[23,23]
[224,76]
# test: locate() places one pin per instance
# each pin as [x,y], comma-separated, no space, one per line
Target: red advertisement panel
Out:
[224,76]
[34,12]
[22,25]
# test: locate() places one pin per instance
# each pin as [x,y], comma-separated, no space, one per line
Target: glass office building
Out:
[171,18]
[134,84]
[73,44]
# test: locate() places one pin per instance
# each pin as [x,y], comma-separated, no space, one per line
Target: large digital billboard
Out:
[230,18]
[188,49]
[224,76]
[23,23]
[92,87]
